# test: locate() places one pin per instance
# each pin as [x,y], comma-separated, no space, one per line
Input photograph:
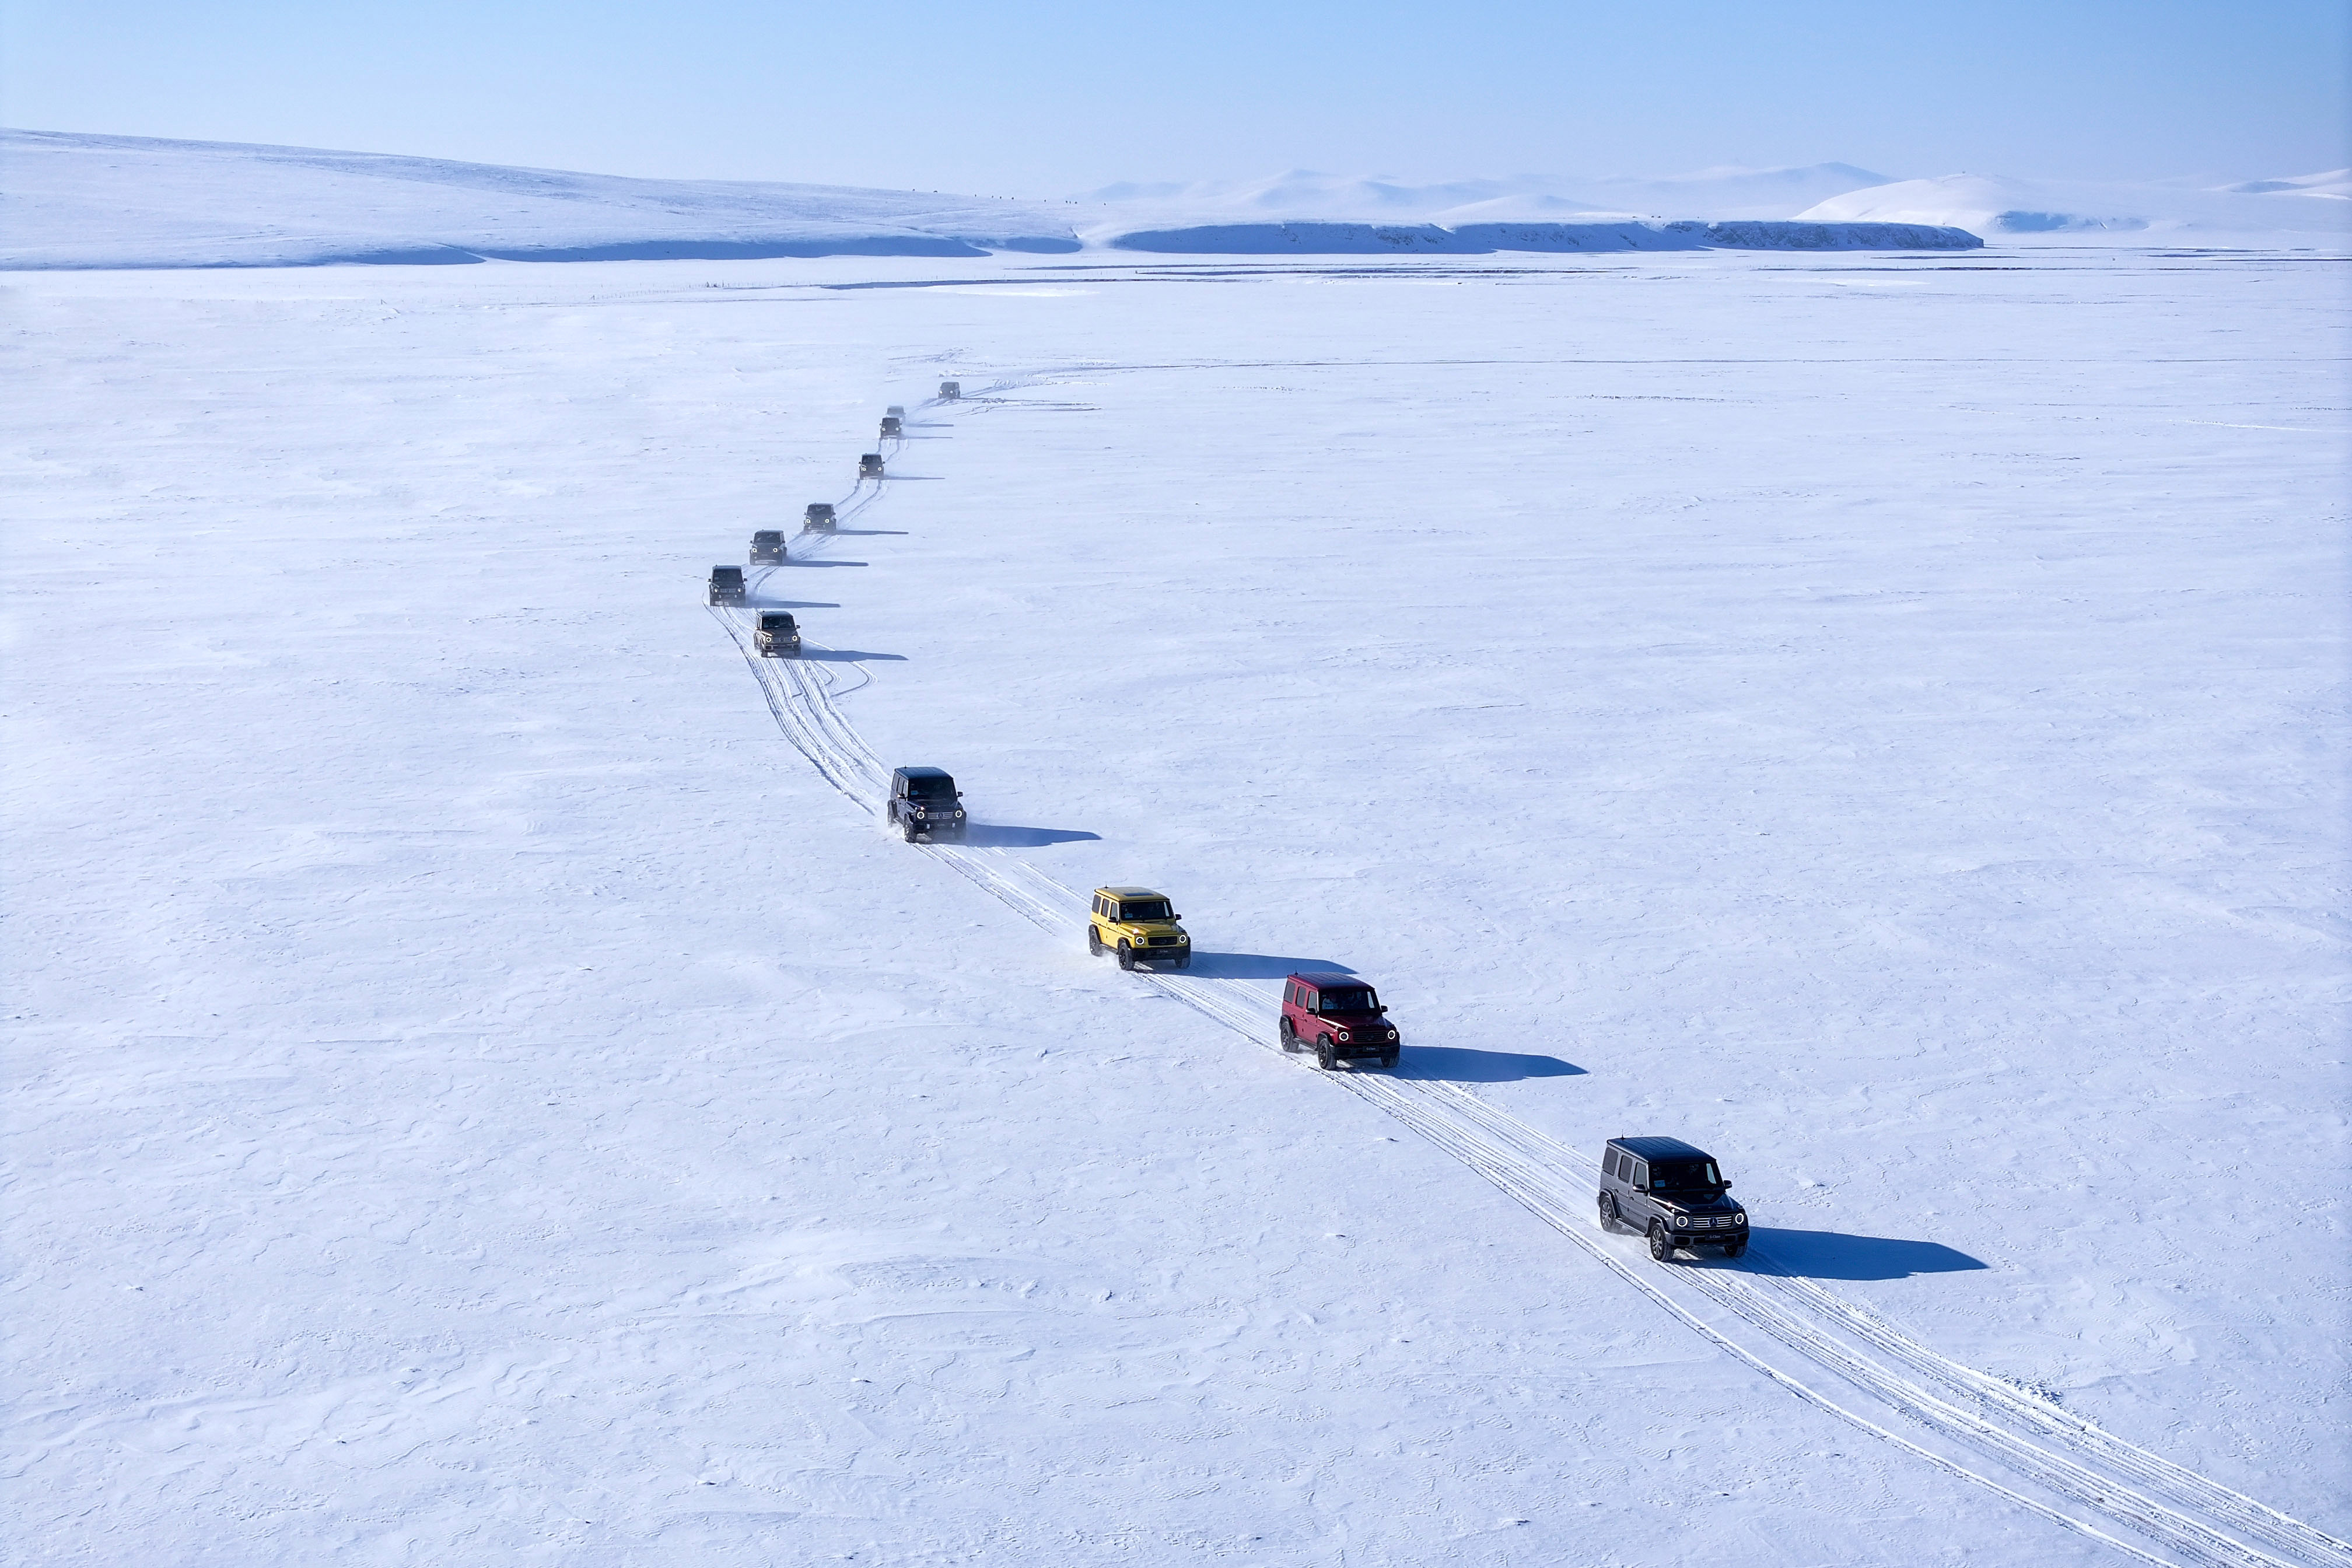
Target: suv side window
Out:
[1613,1166]
[1641,1176]
[1290,993]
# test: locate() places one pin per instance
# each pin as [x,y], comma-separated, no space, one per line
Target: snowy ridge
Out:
[1721,192]
[2307,204]
[1826,1350]
[76,201]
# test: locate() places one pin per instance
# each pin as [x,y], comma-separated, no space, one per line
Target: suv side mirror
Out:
[1727,1186]
[1382,1011]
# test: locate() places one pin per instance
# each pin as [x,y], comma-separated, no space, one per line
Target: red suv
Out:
[1339,1018]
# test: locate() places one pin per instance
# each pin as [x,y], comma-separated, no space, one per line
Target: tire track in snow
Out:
[1759,1316]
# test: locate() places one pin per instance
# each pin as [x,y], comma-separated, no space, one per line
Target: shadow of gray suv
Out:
[1671,1192]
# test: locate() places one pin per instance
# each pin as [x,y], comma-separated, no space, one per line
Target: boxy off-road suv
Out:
[767,544]
[924,803]
[1671,1192]
[727,586]
[778,636]
[818,518]
[1339,1018]
[1138,925]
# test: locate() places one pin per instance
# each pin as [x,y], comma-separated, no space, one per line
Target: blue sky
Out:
[1040,98]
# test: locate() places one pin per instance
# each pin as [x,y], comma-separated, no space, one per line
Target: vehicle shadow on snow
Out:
[1832,1255]
[867,532]
[1452,1064]
[845,654]
[1260,967]
[759,603]
[991,835]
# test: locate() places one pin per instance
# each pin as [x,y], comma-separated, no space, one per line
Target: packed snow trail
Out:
[1764,1315]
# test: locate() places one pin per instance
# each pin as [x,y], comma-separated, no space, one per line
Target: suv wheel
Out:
[1734,1249]
[1126,954]
[910,833]
[1390,1061]
[1289,1033]
[1094,940]
[1608,1212]
[1661,1241]
[1323,1057]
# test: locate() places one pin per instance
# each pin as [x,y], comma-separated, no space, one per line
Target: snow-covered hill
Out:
[1298,194]
[76,201]
[2307,207]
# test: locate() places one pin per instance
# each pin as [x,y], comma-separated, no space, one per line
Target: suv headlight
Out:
[1343,1036]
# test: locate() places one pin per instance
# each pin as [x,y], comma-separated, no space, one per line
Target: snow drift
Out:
[76,201]
[1317,239]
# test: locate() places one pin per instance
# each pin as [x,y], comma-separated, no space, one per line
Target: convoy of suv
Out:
[1671,1192]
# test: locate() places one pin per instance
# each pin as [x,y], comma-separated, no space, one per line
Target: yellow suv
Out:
[1139,926]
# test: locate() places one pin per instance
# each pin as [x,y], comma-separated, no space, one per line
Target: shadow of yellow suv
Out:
[1138,925]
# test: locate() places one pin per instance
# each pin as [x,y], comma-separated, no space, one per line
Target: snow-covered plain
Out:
[483,1094]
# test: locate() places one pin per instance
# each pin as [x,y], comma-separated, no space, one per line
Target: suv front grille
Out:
[1162,941]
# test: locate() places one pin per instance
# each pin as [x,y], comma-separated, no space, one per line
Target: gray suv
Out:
[1671,1192]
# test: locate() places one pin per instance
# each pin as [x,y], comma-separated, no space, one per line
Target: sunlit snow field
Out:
[482,1095]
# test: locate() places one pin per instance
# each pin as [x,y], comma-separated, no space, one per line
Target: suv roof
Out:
[1319,979]
[921,773]
[1132,893]
[1660,1149]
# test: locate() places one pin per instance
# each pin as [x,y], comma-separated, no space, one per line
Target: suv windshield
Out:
[1684,1176]
[1346,999]
[930,789]
[1144,909]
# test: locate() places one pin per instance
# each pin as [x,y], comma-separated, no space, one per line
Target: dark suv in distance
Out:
[1671,1192]
[767,544]
[924,802]
[727,586]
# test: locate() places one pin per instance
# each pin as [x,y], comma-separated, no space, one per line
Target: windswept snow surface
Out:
[79,200]
[487,1090]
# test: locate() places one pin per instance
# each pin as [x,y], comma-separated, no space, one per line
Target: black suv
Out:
[1673,1193]
[726,584]
[818,518]
[767,544]
[923,801]
[778,634]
